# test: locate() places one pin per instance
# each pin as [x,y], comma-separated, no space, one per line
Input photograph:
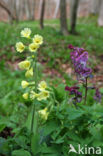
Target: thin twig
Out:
[86,90]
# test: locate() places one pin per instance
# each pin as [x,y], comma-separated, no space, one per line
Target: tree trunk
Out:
[95,6]
[100,19]
[57,8]
[42,14]
[18,8]
[21,10]
[63,18]
[73,15]
[32,9]
[11,9]
[5,7]
[27,9]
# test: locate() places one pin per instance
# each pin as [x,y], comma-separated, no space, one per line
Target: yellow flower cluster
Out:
[37,40]
[42,92]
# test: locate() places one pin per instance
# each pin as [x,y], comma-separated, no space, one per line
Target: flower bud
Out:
[25,96]
[29,73]
[24,84]
[42,85]
[24,64]
[43,114]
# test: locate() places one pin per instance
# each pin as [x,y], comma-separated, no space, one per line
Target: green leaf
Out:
[4,146]
[20,152]
[97,143]
[2,127]
[51,150]
[21,141]
[101,90]
[74,114]
[28,122]
[50,127]
[59,92]
[35,143]
[60,140]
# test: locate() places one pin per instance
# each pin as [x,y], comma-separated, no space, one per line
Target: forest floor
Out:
[54,55]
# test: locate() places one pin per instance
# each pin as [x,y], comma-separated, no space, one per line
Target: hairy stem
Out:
[86,90]
[33,114]
[36,83]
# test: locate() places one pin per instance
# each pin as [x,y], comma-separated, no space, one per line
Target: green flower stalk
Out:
[34,103]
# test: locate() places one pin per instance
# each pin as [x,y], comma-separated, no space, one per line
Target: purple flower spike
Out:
[79,58]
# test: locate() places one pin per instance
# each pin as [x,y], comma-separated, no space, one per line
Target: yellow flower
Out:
[29,73]
[24,84]
[33,95]
[43,95]
[33,56]
[24,64]
[20,47]
[33,47]
[44,114]
[25,96]
[42,85]
[26,33]
[38,39]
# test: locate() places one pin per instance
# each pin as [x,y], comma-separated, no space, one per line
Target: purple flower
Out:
[70,46]
[74,91]
[97,96]
[79,58]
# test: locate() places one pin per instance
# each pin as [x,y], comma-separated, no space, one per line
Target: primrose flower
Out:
[33,95]
[24,84]
[42,85]
[38,39]
[20,47]
[44,114]
[43,95]
[24,64]
[33,47]
[25,96]
[26,33]
[29,73]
